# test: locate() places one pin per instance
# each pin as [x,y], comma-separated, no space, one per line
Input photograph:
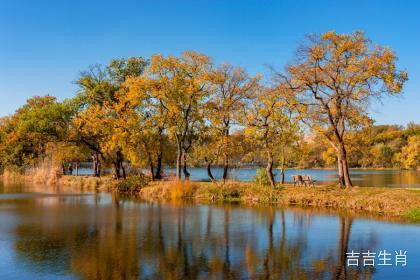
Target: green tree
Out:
[26,134]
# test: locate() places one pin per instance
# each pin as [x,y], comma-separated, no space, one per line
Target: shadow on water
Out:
[103,237]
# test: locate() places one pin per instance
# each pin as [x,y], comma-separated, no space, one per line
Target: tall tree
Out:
[335,76]
[26,134]
[233,89]
[271,123]
[149,119]
[180,87]
[102,115]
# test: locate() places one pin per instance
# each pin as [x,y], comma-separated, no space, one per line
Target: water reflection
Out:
[103,237]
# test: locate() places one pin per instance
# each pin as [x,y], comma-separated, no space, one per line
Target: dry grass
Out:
[390,202]
[86,183]
[171,190]
[10,176]
[387,202]
[52,177]
[43,174]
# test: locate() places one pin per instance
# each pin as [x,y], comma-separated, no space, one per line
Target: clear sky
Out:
[45,44]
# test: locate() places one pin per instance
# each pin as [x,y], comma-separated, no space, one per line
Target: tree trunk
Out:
[226,155]
[269,169]
[98,169]
[118,166]
[178,160]
[225,167]
[158,174]
[123,169]
[186,173]
[283,162]
[152,171]
[121,161]
[282,175]
[340,170]
[96,164]
[209,173]
[63,168]
[343,168]
[116,170]
[152,168]
[77,168]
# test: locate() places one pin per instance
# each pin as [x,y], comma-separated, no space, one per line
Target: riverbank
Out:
[386,202]
[71,183]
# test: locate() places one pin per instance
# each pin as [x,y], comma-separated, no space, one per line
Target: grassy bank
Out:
[42,178]
[86,183]
[387,202]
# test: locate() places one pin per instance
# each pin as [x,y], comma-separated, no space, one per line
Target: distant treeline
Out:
[376,146]
[186,110]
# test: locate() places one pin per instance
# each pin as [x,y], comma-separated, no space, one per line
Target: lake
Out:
[47,233]
[360,177]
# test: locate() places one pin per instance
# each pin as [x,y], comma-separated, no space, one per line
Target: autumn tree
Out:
[101,117]
[232,91]
[26,134]
[409,157]
[272,124]
[207,151]
[149,121]
[180,87]
[335,76]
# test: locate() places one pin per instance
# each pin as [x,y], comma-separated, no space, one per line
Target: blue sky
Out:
[45,44]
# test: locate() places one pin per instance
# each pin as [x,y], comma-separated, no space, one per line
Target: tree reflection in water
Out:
[131,240]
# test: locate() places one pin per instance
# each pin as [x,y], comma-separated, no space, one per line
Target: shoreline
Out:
[385,202]
[392,203]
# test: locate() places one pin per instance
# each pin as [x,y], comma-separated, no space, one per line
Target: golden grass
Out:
[53,177]
[86,183]
[391,202]
[386,202]
[12,176]
[43,174]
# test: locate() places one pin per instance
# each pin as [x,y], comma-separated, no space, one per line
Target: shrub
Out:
[261,177]
[413,214]
[181,189]
[132,184]
[231,194]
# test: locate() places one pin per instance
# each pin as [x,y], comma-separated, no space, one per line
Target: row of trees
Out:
[187,110]
[378,146]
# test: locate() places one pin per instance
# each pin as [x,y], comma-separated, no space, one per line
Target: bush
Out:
[232,195]
[181,189]
[261,177]
[132,184]
[413,214]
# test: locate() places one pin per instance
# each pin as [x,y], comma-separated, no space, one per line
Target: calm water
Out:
[49,234]
[362,178]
